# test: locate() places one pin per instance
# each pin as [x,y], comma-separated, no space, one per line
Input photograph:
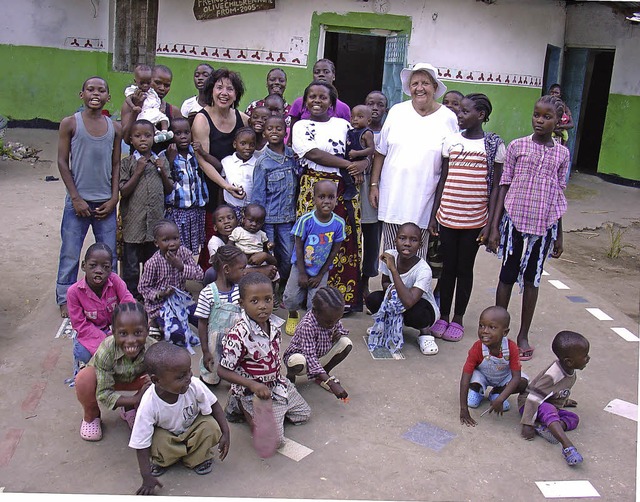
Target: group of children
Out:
[162,199]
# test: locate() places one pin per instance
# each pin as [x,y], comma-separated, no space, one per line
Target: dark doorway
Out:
[551,67]
[595,98]
[359,61]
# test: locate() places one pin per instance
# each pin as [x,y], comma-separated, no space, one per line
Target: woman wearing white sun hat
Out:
[408,161]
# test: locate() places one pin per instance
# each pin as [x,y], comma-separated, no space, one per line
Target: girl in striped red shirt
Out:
[463,208]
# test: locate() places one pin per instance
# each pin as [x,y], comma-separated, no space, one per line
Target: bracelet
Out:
[373,184]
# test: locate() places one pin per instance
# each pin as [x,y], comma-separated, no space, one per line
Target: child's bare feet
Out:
[64,311]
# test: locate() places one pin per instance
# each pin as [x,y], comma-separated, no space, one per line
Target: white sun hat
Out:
[405,77]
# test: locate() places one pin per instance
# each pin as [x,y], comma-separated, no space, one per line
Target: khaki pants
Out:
[193,446]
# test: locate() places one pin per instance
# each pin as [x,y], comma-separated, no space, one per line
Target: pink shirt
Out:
[91,316]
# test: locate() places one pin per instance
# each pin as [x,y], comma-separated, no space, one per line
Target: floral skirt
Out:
[345,274]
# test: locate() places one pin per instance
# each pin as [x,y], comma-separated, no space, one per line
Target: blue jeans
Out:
[73,230]
[280,235]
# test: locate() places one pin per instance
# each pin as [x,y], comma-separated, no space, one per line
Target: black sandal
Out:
[157,470]
[204,468]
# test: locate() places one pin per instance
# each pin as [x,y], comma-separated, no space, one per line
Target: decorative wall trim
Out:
[489,77]
[92,44]
[236,55]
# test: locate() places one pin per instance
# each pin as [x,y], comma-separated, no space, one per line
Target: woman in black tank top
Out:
[214,128]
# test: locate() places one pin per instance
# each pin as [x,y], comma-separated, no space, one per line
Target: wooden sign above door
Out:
[215,9]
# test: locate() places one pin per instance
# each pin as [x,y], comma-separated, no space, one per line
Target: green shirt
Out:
[113,366]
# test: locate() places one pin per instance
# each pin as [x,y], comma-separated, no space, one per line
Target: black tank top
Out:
[220,146]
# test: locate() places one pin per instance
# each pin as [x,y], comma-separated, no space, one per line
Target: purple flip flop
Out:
[453,333]
[439,327]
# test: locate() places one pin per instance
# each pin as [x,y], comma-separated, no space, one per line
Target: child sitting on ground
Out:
[92,300]
[238,167]
[150,109]
[318,236]
[360,145]
[186,202]
[549,392]
[144,182]
[406,297]
[251,357]
[320,342]
[218,309]
[167,271]
[257,121]
[492,361]
[117,365]
[178,419]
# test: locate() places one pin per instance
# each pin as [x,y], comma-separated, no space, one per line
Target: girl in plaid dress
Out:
[527,222]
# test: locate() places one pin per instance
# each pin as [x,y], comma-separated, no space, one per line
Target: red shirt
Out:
[475,357]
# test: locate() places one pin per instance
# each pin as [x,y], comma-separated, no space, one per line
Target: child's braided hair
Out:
[556,103]
[327,297]
[225,255]
[128,307]
[481,103]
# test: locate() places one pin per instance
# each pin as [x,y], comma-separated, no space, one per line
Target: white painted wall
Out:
[51,23]
[510,36]
[610,31]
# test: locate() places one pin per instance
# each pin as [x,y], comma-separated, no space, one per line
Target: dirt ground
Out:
[358,450]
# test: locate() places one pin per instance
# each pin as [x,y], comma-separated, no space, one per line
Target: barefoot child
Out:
[186,202]
[360,145]
[167,270]
[91,302]
[463,208]
[144,182]
[150,109]
[549,392]
[492,361]
[89,162]
[178,419]
[406,297]
[251,357]
[218,309]
[275,184]
[117,365]
[238,168]
[320,342]
[318,236]
[531,194]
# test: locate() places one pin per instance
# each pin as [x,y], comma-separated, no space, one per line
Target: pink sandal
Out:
[453,333]
[439,327]
[128,416]
[91,431]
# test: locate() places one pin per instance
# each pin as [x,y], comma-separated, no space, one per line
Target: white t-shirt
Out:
[189,106]
[239,173]
[249,243]
[214,243]
[329,136]
[412,146]
[418,276]
[175,418]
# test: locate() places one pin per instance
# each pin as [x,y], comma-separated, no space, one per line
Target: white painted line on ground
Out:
[599,314]
[558,284]
[567,489]
[626,334]
[623,408]
[293,450]
[544,272]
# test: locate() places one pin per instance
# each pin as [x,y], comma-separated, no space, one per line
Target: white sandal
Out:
[427,344]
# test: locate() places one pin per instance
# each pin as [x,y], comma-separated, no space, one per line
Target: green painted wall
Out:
[620,151]
[45,82]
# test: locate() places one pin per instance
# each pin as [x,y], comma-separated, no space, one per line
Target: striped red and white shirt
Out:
[465,197]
